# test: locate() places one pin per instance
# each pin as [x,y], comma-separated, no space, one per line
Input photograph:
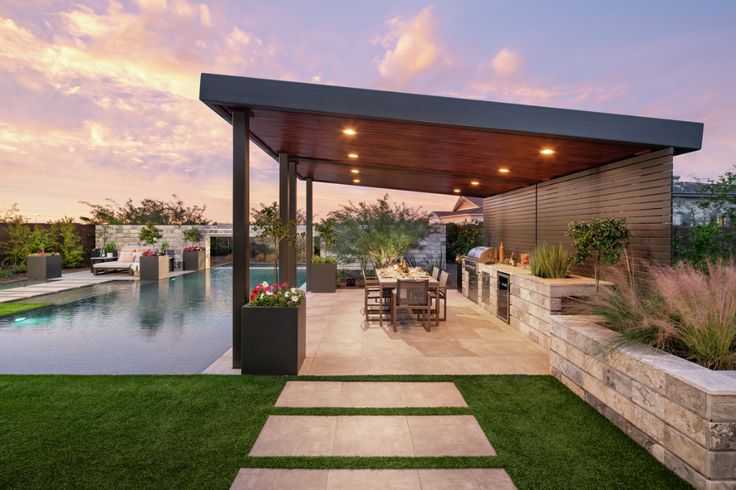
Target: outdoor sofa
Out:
[128,260]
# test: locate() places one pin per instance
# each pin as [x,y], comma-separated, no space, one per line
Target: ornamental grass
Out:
[682,310]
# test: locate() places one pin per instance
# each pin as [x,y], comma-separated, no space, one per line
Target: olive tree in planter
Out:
[154,263]
[194,254]
[602,239]
[267,223]
[323,276]
[274,330]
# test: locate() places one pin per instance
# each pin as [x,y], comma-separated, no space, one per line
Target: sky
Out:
[99,99]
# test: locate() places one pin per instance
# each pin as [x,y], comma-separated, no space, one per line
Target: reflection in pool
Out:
[177,326]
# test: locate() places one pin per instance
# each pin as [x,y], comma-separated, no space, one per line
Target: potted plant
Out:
[154,263]
[323,276]
[274,330]
[194,254]
[111,249]
[42,265]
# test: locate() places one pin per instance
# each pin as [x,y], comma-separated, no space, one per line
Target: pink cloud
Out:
[506,62]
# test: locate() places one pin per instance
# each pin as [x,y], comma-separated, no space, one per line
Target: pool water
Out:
[175,326]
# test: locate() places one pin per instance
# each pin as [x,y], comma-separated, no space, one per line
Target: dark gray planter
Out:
[274,339]
[42,267]
[323,278]
[154,267]
[194,261]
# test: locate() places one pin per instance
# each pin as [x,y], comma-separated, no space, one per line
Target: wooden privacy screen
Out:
[639,189]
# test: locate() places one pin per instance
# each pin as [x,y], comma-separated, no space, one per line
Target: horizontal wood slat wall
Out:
[639,189]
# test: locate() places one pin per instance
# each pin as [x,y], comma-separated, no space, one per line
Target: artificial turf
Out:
[196,431]
[12,308]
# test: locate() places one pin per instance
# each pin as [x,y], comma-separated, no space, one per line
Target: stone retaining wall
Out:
[682,413]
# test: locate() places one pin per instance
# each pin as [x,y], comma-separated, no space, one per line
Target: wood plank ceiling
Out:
[426,158]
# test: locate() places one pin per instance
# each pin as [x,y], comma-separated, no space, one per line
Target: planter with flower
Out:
[274,330]
[43,264]
[154,265]
[194,254]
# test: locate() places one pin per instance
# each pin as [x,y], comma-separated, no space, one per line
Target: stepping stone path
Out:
[371,436]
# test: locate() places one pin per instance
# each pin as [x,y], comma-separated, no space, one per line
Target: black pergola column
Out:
[241,223]
[292,219]
[284,215]
[310,236]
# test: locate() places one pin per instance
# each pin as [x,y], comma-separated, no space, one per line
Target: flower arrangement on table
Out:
[275,295]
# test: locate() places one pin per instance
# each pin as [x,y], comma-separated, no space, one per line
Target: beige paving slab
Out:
[279,479]
[321,479]
[363,435]
[448,435]
[466,479]
[369,394]
[372,479]
[302,435]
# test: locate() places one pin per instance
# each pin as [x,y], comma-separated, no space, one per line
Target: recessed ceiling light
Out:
[356,181]
[504,170]
[349,131]
[355,171]
[547,151]
[474,183]
[352,155]
[456,191]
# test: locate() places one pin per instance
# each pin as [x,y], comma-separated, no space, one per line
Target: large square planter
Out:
[323,278]
[274,339]
[42,267]
[194,261]
[154,267]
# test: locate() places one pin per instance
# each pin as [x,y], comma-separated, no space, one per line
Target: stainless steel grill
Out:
[478,255]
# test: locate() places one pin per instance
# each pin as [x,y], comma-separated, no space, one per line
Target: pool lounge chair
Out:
[128,260]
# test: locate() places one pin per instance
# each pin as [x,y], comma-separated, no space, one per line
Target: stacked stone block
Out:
[682,413]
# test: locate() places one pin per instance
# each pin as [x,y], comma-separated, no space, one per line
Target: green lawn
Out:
[12,308]
[196,431]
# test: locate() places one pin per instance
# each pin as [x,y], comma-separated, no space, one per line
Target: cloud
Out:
[411,44]
[506,62]
[204,15]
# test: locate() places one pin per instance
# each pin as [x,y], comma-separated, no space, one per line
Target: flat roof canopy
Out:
[433,144]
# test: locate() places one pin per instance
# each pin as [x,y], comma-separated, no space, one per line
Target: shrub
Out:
[149,234]
[18,245]
[193,236]
[111,246]
[707,242]
[461,237]
[683,310]
[602,239]
[68,242]
[323,260]
[550,261]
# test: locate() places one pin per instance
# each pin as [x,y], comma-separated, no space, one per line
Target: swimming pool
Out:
[175,326]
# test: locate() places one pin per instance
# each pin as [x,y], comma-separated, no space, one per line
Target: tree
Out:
[173,212]
[149,234]
[18,245]
[461,237]
[602,239]
[68,242]
[721,197]
[381,232]
[267,223]
[193,236]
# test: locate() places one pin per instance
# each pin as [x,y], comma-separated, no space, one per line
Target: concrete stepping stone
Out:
[439,479]
[362,435]
[354,394]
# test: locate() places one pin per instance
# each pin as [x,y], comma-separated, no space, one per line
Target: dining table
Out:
[387,278]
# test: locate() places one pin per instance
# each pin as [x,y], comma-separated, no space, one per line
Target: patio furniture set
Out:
[130,258]
[398,288]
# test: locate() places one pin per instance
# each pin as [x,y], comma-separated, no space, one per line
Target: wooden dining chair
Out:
[376,301]
[440,295]
[436,273]
[412,294]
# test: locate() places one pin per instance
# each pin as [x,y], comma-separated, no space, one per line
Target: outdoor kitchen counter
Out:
[532,299]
